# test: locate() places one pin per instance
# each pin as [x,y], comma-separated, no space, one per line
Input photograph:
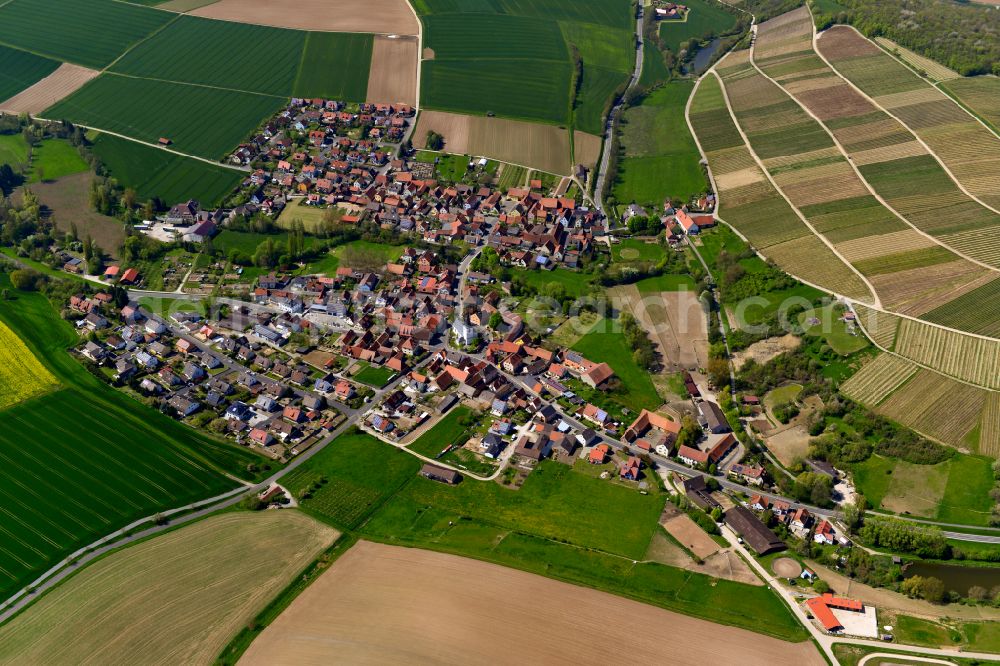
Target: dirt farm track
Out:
[386,604]
[385,17]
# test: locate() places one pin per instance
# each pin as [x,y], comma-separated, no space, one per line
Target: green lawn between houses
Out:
[605,343]
[374,376]
[81,462]
[444,433]
[561,523]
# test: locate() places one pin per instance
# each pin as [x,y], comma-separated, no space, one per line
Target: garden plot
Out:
[675,321]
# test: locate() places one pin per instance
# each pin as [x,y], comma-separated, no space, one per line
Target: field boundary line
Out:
[760,164]
[141,41]
[936,84]
[866,96]
[850,161]
[10,606]
[196,85]
[232,167]
[718,198]
[850,301]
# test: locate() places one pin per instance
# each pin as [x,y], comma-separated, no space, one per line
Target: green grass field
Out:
[335,65]
[562,523]
[571,526]
[221,54]
[247,242]
[91,33]
[955,491]
[513,57]
[13,150]
[207,122]
[52,159]
[576,284]
[156,173]
[350,478]
[661,159]
[605,344]
[833,330]
[706,18]
[83,461]
[446,432]
[20,70]
[375,376]
[632,249]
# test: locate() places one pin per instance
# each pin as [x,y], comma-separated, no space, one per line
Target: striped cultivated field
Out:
[175,599]
[989,429]
[952,412]
[20,70]
[976,311]
[971,359]
[92,33]
[880,326]
[877,379]
[905,248]
[207,122]
[964,145]
[931,68]
[981,94]
[937,406]
[752,205]
[816,178]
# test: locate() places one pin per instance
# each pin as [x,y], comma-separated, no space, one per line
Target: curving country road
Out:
[601,177]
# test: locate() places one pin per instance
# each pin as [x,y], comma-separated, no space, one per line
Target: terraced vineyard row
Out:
[970,150]
[810,170]
[943,408]
[877,379]
[913,273]
[968,358]
[754,207]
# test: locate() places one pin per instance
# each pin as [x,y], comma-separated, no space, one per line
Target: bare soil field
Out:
[724,564]
[393,76]
[175,599]
[675,322]
[692,537]
[385,604]
[766,349]
[789,445]
[586,148]
[60,83]
[66,200]
[786,567]
[381,17]
[544,147]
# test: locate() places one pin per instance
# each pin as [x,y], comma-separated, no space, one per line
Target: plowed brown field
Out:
[385,604]
[387,17]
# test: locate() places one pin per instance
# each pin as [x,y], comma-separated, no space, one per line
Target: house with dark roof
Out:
[756,534]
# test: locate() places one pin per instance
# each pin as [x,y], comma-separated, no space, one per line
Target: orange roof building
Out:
[821,609]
